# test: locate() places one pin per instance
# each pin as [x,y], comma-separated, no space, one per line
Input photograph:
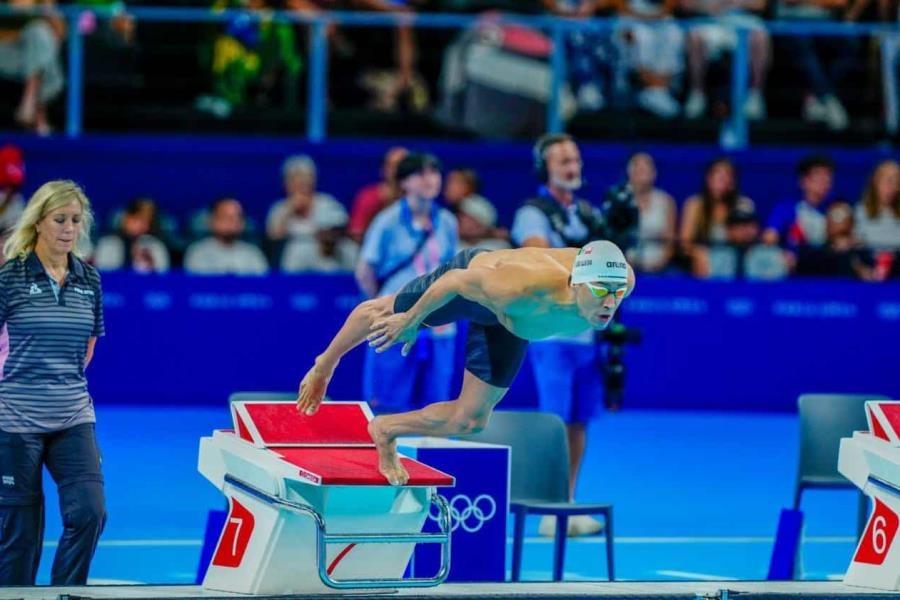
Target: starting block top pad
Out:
[331,447]
[266,424]
[355,466]
[884,420]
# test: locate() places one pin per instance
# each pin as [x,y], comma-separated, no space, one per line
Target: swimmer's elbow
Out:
[469,283]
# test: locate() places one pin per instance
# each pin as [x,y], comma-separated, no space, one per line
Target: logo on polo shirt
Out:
[34,289]
[83,292]
[9,480]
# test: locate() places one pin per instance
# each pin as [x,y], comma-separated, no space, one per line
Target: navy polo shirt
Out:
[43,343]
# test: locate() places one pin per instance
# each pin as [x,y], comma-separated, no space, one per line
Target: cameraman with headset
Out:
[565,368]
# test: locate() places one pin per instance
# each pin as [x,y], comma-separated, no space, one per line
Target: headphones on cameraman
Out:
[539,152]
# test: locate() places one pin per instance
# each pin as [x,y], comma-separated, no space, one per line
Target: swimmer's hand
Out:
[312,390]
[398,328]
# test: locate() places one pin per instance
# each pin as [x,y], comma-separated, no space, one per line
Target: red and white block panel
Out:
[871,460]
[326,462]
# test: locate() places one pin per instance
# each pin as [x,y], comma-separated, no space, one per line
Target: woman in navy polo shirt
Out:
[50,317]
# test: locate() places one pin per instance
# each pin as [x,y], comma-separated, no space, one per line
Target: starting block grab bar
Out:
[323,539]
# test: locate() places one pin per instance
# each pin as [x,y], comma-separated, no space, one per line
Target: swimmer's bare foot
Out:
[388,460]
[312,389]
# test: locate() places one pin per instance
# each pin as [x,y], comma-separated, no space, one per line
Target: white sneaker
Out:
[218,107]
[659,101]
[580,525]
[755,106]
[835,115]
[584,525]
[590,97]
[695,107]
[814,109]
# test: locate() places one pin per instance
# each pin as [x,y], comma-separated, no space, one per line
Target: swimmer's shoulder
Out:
[526,257]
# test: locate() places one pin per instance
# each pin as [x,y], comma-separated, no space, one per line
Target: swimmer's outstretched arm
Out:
[315,383]
[493,288]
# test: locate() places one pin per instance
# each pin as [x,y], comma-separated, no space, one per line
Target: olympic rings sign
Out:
[469,514]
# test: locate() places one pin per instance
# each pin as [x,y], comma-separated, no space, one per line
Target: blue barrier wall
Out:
[187,173]
[188,340]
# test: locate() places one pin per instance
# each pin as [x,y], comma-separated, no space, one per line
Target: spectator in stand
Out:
[478,225]
[708,42]
[656,229]
[753,259]
[32,56]
[249,58]
[654,46]
[370,200]
[836,256]
[704,216]
[303,210]
[461,184]
[404,88]
[308,222]
[726,261]
[591,54]
[224,253]
[878,211]
[12,204]
[793,224]
[823,76]
[135,245]
[330,251]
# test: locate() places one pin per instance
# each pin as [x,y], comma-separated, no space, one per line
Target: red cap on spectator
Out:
[12,167]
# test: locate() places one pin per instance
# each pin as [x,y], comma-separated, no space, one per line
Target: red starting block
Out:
[871,460]
[308,509]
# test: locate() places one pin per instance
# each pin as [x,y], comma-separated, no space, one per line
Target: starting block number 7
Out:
[237,533]
[235,536]
[876,541]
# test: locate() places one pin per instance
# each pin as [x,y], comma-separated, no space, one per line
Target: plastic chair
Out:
[540,480]
[824,420]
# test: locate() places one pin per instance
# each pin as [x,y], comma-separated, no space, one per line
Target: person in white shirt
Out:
[878,211]
[135,244]
[656,229]
[304,210]
[223,252]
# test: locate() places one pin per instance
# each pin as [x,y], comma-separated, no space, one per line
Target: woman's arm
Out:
[92,341]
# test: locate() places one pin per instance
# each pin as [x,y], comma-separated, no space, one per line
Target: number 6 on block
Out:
[876,541]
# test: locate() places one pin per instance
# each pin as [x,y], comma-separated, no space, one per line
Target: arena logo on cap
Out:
[615,265]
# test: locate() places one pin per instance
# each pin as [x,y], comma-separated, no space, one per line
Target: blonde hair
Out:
[49,197]
[870,195]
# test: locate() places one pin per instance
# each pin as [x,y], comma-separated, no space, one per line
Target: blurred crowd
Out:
[715,233]
[647,60]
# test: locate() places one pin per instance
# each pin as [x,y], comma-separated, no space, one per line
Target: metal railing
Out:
[733,132]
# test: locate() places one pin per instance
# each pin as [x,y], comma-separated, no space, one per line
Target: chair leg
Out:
[518,538]
[862,515]
[609,545]
[798,553]
[559,546]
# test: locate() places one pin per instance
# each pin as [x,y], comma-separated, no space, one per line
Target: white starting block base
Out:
[871,461]
[687,590]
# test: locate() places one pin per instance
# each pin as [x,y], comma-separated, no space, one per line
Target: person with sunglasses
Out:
[509,298]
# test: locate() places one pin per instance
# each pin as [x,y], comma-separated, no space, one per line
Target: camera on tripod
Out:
[621,219]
